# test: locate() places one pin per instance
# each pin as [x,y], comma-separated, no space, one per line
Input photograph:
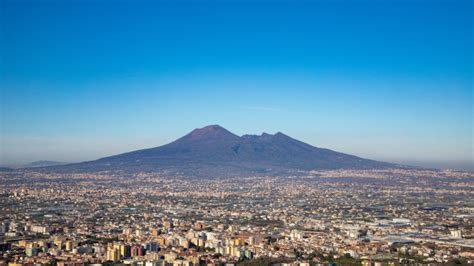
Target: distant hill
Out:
[42,164]
[6,169]
[213,151]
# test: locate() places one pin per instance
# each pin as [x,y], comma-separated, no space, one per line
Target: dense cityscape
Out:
[346,217]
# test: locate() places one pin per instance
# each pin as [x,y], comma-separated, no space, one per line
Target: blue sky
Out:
[388,80]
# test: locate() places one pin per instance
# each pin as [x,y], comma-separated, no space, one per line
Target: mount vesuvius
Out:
[213,151]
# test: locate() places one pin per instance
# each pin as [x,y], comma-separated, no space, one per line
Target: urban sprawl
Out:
[343,217]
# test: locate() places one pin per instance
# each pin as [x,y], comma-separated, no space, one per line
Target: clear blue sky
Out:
[387,80]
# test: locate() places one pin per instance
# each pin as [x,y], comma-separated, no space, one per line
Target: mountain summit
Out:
[209,133]
[213,151]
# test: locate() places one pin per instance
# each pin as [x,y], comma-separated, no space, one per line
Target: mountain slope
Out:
[213,151]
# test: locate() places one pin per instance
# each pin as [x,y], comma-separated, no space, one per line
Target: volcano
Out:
[213,151]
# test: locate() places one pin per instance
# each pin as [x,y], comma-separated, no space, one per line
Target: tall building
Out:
[113,252]
[152,246]
[125,251]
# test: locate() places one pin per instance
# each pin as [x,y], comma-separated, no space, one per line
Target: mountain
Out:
[6,169]
[42,164]
[213,151]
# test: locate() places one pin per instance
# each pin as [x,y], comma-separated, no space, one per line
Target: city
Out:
[349,217]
